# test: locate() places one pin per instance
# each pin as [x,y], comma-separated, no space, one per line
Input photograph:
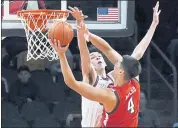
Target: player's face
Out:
[97,60]
[142,101]
[24,76]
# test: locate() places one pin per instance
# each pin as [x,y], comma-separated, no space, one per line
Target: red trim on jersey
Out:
[126,114]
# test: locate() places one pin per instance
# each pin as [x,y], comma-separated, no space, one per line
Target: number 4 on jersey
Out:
[131,106]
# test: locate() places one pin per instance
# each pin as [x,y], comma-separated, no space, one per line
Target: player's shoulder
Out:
[136,81]
[136,84]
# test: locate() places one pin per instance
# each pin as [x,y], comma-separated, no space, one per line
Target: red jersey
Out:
[125,114]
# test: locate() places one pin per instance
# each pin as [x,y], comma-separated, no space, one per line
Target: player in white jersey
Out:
[92,110]
[93,71]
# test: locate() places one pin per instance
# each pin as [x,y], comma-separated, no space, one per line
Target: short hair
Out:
[131,66]
[93,49]
[23,68]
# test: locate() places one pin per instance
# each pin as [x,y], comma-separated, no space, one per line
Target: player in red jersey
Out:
[121,100]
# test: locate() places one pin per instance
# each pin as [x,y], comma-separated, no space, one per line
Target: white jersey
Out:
[91,109]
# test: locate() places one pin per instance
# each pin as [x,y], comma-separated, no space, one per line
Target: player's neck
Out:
[101,73]
[119,82]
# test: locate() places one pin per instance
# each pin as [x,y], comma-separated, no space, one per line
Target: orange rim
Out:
[42,15]
[43,12]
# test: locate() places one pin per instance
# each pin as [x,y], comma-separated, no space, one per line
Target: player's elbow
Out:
[139,55]
[86,69]
[108,50]
[69,81]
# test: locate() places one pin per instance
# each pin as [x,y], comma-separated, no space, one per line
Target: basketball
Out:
[61,31]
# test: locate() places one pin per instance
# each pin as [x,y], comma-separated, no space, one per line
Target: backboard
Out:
[121,25]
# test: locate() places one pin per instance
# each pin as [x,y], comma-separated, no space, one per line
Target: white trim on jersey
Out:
[91,109]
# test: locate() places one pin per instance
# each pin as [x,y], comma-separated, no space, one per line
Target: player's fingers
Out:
[71,8]
[159,12]
[70,11]
[59,43]
[154,9]
[54,45]
[82,24]
[85,26]
[76,9]
[78,26]
[54,42]
[67,46]
[85,16]
[51,42]
[80,12]
[86,37]
[157,5]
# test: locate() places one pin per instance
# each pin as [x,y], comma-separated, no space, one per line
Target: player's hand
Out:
[57,46]
[83,29]
[156,13]
[77,14]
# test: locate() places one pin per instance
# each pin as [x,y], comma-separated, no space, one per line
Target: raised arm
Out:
[84,55]
[105,48]
[102,45]
[104,96]
[87,68]
[142,46]
[82,88]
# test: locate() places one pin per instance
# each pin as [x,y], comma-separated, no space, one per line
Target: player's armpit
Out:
[114,56]
[84,54]
[91,77]
[88,72]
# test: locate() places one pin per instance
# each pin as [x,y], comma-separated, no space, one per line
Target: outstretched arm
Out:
[84,89]
[101,95]
[86,65]
[87,68]
[142,46]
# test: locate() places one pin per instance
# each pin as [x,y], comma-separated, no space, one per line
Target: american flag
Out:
[107,14]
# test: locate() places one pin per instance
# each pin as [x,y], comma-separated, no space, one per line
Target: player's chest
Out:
[103,83]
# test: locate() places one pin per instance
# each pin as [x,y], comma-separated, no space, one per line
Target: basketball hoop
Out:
[35,23]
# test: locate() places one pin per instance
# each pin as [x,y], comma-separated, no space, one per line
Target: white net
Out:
[37,35]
